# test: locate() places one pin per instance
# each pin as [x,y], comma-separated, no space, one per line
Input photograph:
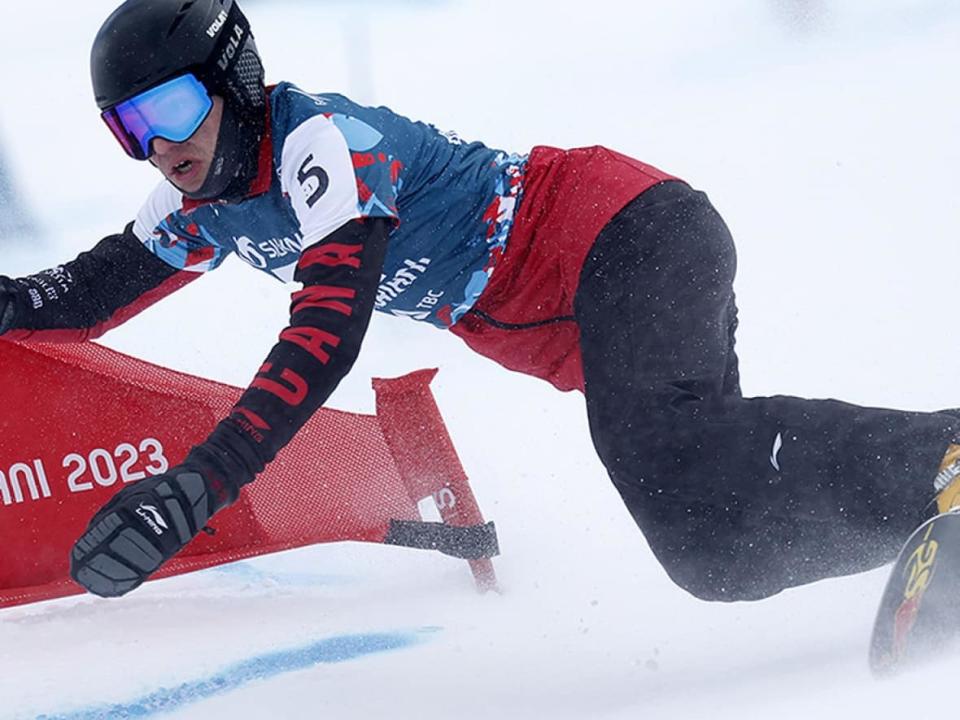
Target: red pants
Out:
[524,319]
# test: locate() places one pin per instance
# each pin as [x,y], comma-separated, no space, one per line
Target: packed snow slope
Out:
[826,134]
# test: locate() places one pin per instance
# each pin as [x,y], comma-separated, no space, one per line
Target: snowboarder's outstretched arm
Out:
[147,523]
[328,320]
[84,298]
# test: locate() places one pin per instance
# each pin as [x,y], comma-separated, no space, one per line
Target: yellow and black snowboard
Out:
[919,615]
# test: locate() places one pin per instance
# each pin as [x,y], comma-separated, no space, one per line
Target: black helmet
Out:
[145,42]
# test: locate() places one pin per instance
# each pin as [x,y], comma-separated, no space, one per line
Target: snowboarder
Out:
[585,268]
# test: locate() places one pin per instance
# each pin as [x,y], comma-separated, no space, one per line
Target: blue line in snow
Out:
[332,650]
[247,572]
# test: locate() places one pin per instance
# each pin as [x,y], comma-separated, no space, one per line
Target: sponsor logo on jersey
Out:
[260,254]
[451,136]
[407,275]
[36,299]
[318,101]
[50,285]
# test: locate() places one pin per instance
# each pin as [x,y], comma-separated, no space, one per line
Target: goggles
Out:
[173,110]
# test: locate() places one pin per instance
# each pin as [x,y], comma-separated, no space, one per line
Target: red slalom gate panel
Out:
[428,460]
[79,421]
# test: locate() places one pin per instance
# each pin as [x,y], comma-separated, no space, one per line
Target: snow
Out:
[826,134]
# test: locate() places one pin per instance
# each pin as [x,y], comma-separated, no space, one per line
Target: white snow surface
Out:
[827,135]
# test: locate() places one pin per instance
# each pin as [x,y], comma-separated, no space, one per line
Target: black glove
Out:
[143,526]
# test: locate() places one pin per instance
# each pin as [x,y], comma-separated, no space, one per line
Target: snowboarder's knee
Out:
[725,589]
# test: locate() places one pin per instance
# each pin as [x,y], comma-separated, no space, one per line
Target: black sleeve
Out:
[84,298]
[328,320]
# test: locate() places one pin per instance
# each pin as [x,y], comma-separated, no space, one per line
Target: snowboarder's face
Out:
[186,164]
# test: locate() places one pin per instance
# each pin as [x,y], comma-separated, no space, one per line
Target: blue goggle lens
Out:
[173,110]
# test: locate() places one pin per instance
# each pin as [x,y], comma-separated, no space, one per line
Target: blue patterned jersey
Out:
[335,161]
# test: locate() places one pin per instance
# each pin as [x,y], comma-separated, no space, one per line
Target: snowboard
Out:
[919,615]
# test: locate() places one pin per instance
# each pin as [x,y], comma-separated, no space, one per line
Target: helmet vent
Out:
[247,81]
[181,14]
